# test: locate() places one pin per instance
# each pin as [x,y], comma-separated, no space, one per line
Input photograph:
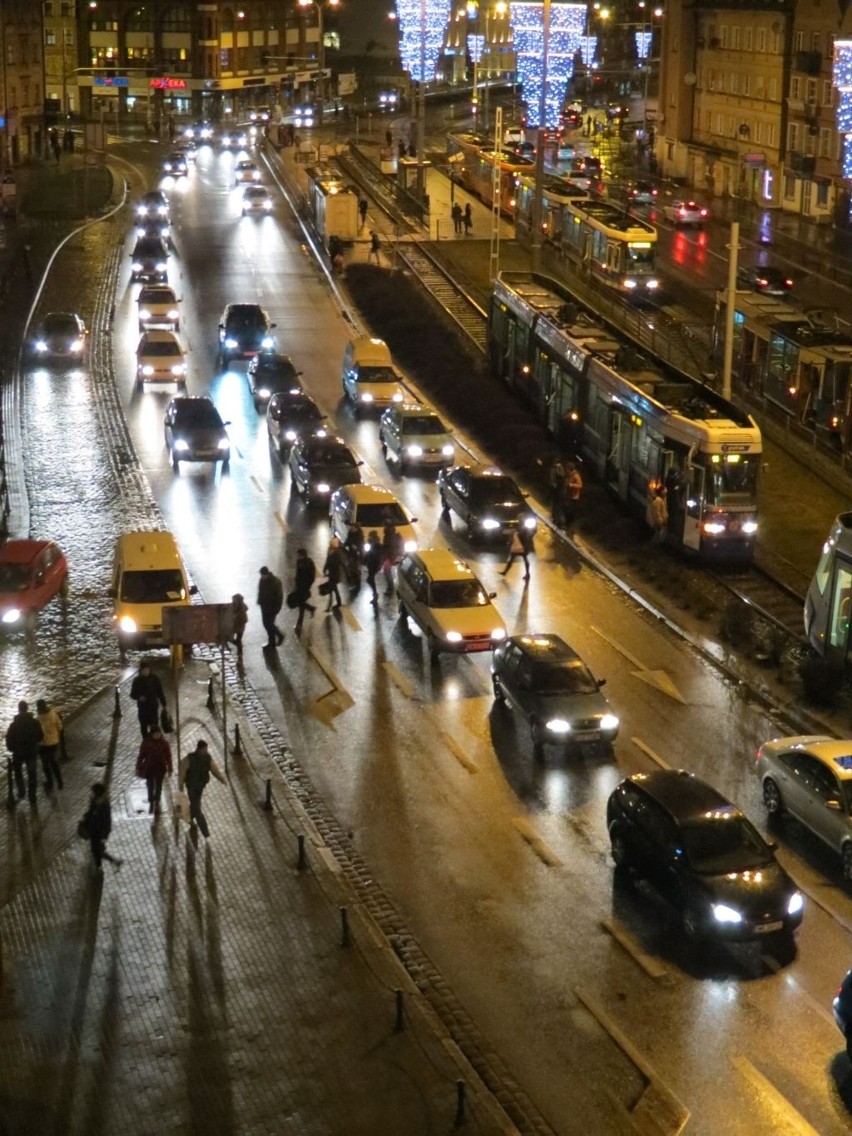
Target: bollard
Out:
[459,1104]
[116,713]
[211,701]
[267,804]
[302,862]
[344,927]
[237,751]
[11,798]
[400,1020]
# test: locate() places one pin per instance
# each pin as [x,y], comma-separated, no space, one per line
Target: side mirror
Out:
[193,589]
[492,595]
[524,493]
[413,521]
[228,423]
[601,682]
[360,463]
[273,325]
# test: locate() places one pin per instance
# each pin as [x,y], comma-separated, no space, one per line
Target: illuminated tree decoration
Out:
[842,80]
[643,44]
[588,47]
[567,27]
[475,45]
[414,47]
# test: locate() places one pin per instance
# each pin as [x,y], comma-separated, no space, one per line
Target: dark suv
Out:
[244,329]
[703,855]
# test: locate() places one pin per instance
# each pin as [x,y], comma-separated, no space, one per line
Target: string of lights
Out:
[643,44]
[842,79]
[567,28]
[414,17]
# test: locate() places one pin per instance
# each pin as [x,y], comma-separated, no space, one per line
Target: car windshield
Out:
[327,453]
[380,514]
[377,375]
[157,296]
[495,491]
[246,320]
[458,593]
[255,192]
[281,369]
[152,587]
[717,843]
[159,347]
[60,325]
[428,424]
[14,577]
[566,678]
[198,414]
[299,412]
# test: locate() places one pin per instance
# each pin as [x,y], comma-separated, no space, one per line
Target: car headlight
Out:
[146,369]
[267,342]
[489,524]
[41,345]
[630,284]
[796,904]
[652,284]
[714,528]
[558,726]
[181,445]
[722,913]
[609,722]
[749,527]
[366,397]
[144,314]
[136,266]
[290,435]
[498,633]
[226,140]
[267,205]
[172,313]
[179,369]
[322,487]
[161,266]
[454,637]
[410,546]
[529,523]
[255,175]
[398,397]
[126,623]
[448,451]
[223,444]
[230,343]
[262,393]
[11,615]
[414,451]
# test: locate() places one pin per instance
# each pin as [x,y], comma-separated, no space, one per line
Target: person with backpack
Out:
[270,600]
[195,772]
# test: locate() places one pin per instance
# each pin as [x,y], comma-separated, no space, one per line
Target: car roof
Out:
[369,494]
[185,401]
[159,335]
[683,795]
[66,317]
[546,648]
[149,289]
[22,551]
[415,410]
[244,310]
[441,564]
[835,753]
[255,191]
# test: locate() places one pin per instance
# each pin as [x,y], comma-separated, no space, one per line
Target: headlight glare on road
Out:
[558,726]
[609,722]
[489,524]
[414,451]
[454,637]
[11,615]
[127,624]
[797,902]
[722,913]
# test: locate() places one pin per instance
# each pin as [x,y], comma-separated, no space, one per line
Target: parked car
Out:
[763,278]
[682,213]
[159,359]
[194,431]
[842,1006]
[412,434]
[546,683]
[60,336]
[32,573]
[157,306]
[319,464]
[244,329]
[703,855]
[809,777]
[487,501]
[289,416]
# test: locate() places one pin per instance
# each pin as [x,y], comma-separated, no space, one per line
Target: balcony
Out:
[808,61]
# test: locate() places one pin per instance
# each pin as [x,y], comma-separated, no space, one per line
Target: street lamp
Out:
[321,49]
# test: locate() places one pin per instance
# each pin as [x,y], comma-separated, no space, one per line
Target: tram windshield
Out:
[640,259]
[732,479]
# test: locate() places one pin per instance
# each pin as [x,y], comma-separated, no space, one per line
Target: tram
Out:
[475,169]
[828,604]
[800,361]
[617,248]
[333,206]
[640,424]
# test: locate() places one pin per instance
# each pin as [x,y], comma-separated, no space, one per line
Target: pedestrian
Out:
[559,489]
[389,138]
[362,211]
[68,140]
[588,126]
[333,571]
[521,545]
[456,214]
[573,493]
[240,610]
[375,247]
[195,772]
[306,573]
[659,515]
[270,599]
[51,730]
[153,764]
[98,826]
[146,690]
[353,553]
[468,219]
[373,562]
[392,550]
[54,144]
[23,738]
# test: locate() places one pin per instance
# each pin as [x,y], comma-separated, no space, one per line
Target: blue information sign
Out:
[111,81]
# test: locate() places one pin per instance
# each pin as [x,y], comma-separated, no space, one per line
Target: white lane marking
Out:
[655,757]
[285,527]
[458,753]
[777,1101]
[652,967]
[775,966]
[399,680]
[659,679]
[258,484]
[528,833]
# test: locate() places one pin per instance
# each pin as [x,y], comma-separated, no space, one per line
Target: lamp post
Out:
[320,49]
[537,235]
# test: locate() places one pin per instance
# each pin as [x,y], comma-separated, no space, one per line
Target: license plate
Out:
[586,736]
[766,928]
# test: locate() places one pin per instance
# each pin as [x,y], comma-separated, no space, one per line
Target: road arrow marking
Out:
[659,679]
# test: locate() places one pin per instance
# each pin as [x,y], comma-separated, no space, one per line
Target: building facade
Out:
[21,81]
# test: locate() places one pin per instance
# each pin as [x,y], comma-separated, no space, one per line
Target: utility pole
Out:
[730,304]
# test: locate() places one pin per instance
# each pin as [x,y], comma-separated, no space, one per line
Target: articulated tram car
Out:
[828,605]
[475,170]
[617,248]
[639,423]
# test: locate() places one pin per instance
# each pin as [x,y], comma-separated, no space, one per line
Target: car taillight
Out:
[703,212]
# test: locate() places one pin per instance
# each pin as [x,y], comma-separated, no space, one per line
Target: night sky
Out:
[363,21]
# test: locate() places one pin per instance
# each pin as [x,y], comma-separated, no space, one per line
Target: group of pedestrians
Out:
[31,738]
[462,219]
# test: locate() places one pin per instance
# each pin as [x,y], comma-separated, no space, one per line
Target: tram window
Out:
[841,607]
[731,479]
[640,257]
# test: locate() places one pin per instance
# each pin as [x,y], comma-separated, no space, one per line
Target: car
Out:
[153,205]
[157,306]
[513,135]
[256,200]
[842,1007]
[372,507]
[201,131]
[188,147]
[642,193]
[268,373]
[289,415]
[244,329]
[32,573]
[149,260]
[440,593]
[238,137]
[809,777]
[153,228]
[370,380]
[245,171]
[175,164]
[413,434]
[579,179]
[488,502]
[546,682]
[260,113]
[159,359]
[304,116]
[320,463]
[194,431]
[703,855]
[683,212]
[60,335]
[763,278]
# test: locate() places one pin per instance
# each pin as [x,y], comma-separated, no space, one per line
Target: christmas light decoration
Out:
[588,47]
[842,80]
[567,28]
[475,44]
[643,44]
[422,24]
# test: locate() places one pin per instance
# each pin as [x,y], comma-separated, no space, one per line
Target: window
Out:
[777,43]
[793,136]
[822,188]
[826,93]
[177,19]
[49,37]
[735,39]
[761,39]
[789,187]
[799,44]
[773,90]
[724,35]
[748,39]
[814,41]
[48,7]
[825,143]
[795,89]
[746,84]
[811,91]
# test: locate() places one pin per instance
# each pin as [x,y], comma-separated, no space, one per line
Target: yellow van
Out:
[147,575]
[369,378]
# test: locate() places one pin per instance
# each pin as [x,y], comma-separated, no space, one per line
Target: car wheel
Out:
[846,861]
[772,798]
[618,847]
[499,696]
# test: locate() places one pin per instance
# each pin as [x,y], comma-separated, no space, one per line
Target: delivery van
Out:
[370,380]
[147,575]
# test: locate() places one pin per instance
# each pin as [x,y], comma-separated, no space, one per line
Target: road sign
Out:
[198,623]
[110,81]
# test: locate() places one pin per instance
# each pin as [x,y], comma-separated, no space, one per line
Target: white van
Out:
[147,575]
[369,378]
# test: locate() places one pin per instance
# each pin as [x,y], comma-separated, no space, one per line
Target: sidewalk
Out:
[202,986]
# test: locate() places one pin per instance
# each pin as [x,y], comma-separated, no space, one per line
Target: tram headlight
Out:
[749,527]
[489,524]
[652,285]
[630,284]
[714,528]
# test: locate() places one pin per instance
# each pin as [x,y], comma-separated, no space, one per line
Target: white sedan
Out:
[160,359]
[246,172]
[256,200]
[685,213]
[158,307]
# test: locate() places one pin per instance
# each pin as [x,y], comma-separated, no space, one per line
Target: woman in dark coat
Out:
[98,821]
[333,571]
[153,765]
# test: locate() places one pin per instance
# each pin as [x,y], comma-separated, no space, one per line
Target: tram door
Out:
[618,453]
[694,508]
[837,633]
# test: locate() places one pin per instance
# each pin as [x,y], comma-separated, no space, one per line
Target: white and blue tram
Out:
[640,424]
[828,618]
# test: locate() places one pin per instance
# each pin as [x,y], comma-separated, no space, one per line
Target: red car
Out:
[32,572]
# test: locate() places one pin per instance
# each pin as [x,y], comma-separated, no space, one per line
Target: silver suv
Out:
[412,434]
[810,778]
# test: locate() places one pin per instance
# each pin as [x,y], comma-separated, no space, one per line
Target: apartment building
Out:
[21,81]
